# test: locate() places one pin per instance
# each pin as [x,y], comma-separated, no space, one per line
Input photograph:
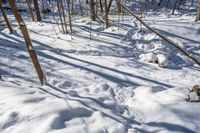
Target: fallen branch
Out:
[160,35]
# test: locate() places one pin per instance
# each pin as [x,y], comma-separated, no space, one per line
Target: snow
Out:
[193,96]
[113,82]
[162,60]
[148,57]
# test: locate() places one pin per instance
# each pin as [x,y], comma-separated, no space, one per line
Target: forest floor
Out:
[100,81]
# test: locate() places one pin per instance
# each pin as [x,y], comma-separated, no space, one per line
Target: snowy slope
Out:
[103,85]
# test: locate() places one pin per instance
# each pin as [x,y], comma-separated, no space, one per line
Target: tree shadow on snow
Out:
[97,69]
[170,127]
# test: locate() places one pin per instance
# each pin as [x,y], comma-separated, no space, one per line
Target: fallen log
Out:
[160,35]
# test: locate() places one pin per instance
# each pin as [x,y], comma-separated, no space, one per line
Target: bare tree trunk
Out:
[198,14]
[101,6]
[5,18]
[69,15]
[43,9]
[96,8]
[28,42]
[63,14]
[60,15]
[175,6]
[92,10]
[106,14]
[109,5]
[72,7]
[160,2]
[179,4]
[192,2]
[119,7]
[37,10]
[30,9]
[167,3]
[86,1]
[80,6]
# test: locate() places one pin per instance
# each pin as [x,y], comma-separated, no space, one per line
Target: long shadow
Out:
[107,76]
[88,29]
[171,127]
[115,79]
[173,35]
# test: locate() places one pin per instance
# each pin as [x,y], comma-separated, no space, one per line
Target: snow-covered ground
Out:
[111,83]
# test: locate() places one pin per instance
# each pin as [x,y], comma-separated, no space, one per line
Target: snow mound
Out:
[148,57]
[162,60]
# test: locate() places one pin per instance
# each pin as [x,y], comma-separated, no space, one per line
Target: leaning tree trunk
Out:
[31,51]
[37,10]
[5,18]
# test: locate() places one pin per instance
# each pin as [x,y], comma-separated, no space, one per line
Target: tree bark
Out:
[119,7]
[69,15]
[30,9]
[5,18]
[198,14]
[109,5]
[28,42]
[63,14]
[80,6]
[60,15]
[72,7]
[37,10]
[101,6]
[106,14]
[175,6]
[179,4]
[92,10]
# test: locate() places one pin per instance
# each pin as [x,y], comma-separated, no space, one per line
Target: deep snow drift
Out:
[112,83]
